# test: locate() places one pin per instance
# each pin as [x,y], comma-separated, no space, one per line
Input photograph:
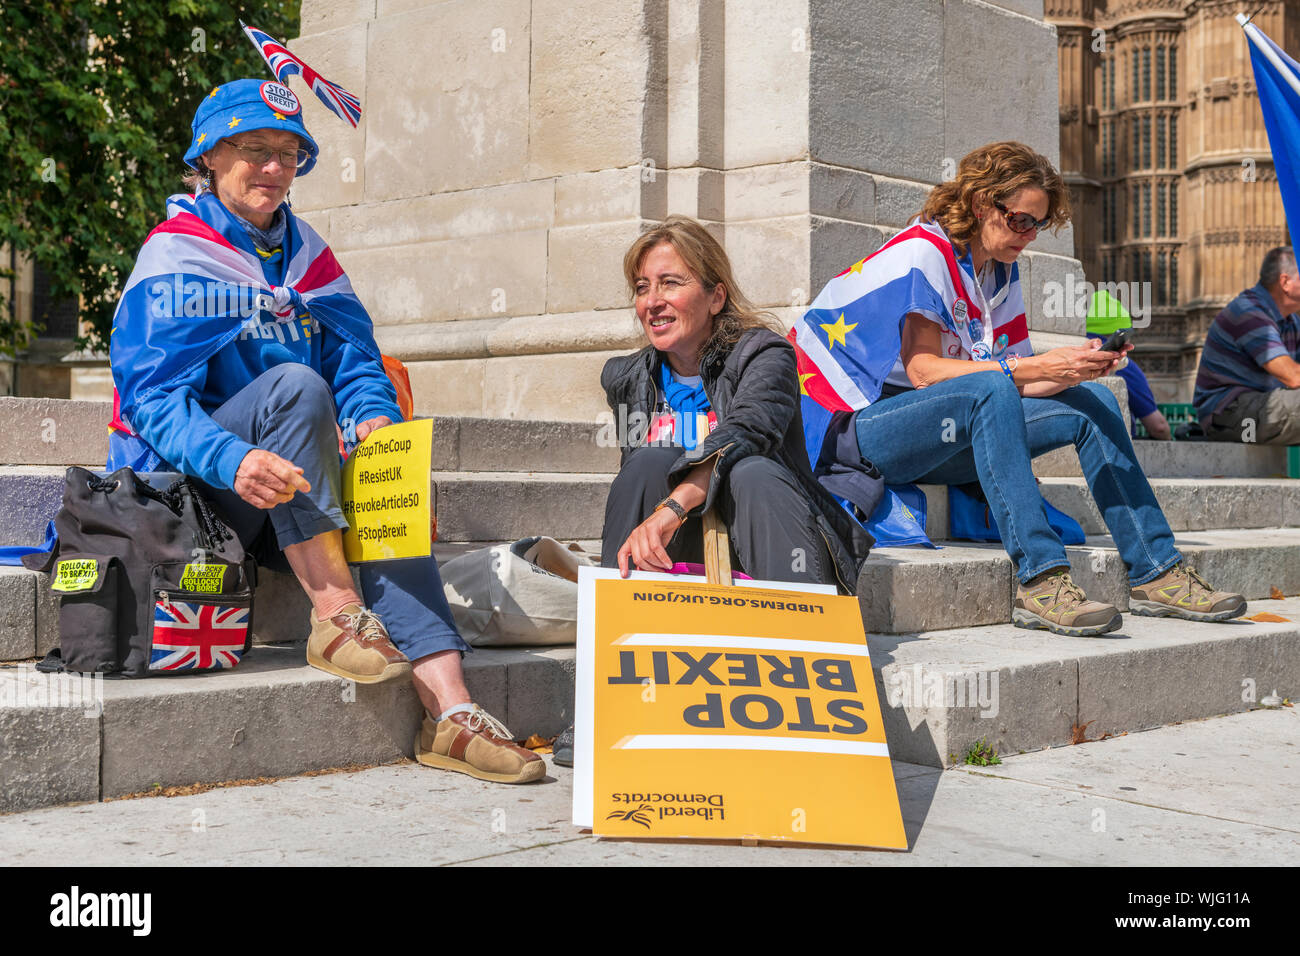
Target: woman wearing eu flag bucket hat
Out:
[238,348]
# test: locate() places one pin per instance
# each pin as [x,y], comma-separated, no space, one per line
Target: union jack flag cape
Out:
[285,64]
[186,256]
[847,344]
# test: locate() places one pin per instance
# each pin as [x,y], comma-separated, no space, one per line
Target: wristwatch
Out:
[671,504]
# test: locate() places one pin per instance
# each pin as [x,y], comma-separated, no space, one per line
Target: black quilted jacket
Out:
[754,390]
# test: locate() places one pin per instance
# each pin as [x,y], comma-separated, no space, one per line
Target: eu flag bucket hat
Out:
[245,105]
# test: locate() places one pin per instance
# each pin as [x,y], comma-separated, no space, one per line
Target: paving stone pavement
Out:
[1210,792]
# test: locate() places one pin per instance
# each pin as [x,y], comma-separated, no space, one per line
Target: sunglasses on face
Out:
[1021,222]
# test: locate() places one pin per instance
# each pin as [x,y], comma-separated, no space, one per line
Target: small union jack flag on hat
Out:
[285,64]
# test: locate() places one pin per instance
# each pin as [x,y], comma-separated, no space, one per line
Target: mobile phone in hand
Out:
[1116,342]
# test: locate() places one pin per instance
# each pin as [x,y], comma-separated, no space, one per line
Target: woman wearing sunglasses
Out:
[967,399]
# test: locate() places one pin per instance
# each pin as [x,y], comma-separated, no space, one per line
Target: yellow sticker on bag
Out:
[76,574]
[207,578]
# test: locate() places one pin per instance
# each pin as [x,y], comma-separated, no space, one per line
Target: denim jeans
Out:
[977,427]
[290,411]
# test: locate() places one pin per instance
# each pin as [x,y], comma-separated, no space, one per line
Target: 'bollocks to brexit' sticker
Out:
[207,578]
[79,574]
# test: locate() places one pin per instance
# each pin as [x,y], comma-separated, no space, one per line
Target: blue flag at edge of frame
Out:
[1279,99]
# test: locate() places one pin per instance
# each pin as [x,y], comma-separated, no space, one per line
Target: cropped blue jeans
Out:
[976,427]
[289,410]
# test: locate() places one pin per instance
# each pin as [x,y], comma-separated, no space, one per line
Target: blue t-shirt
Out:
[1140,400]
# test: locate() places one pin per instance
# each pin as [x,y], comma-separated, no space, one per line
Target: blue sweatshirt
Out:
[176,420]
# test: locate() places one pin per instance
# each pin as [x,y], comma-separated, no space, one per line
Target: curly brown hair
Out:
[709,263]
[992,173]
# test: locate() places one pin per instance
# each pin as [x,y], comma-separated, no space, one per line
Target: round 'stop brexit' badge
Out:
[959,311]
[280,98]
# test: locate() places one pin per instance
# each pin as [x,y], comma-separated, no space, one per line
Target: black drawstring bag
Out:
[149,581]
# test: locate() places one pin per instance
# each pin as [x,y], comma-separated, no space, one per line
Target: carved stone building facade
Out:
[509,152]
[1164,147]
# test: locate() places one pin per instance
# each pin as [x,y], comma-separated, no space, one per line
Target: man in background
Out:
[1246,386]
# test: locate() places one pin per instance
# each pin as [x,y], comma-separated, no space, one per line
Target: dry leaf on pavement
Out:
[539,744]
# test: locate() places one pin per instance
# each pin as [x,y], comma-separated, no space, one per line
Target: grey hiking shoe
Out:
[562,749]
[1053,602]
[1181,592]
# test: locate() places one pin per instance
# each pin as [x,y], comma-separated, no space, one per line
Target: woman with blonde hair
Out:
[951,392]
[717,389]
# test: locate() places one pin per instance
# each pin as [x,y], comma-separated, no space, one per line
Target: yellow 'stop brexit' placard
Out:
[386,496]
[736,713]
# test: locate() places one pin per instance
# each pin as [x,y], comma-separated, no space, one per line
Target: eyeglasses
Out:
[1021,222]
[261,155]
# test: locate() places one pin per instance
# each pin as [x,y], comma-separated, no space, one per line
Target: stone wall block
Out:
[766,192]
[1052,297]
[462,121]
[876,96]
[492,210]
[585,267]
[319,16]
[480,276]
[836,245]
[593,90]
[770,259]
[767,62]
[338,178]
[1022,89]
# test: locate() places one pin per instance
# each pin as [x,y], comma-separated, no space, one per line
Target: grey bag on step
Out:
[524,593]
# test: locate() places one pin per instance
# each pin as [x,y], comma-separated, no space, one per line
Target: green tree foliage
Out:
[96,99]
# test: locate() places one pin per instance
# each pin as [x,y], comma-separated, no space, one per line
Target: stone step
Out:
[51,431]
[508,505]
[271,716]
[902,590]
[470,506]
[32,495]
[29,610]
[1181,459]
[1015,690]
[913,590]
[1022,690]
[1189,504]
[1193,504]
[505,505]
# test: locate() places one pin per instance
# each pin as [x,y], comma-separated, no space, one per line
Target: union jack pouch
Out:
[150,578]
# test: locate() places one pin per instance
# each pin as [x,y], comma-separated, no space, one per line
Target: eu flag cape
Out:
[847,345]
